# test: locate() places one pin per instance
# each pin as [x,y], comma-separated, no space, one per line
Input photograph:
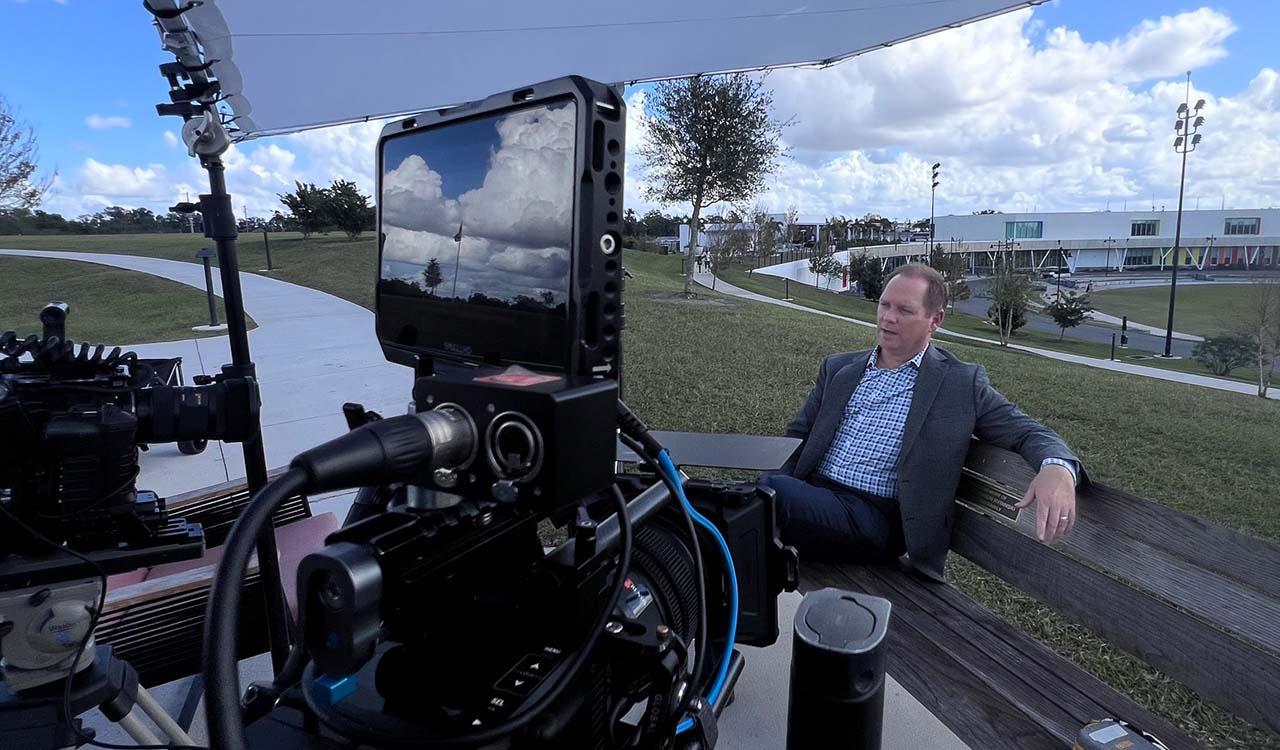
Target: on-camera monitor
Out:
[476,235]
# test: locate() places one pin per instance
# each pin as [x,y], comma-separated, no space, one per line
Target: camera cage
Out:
[593,340]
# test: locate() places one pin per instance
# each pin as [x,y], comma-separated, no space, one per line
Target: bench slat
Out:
[1222,601]
[1250,561]
[1113,703]
[961,700]
[1235,674]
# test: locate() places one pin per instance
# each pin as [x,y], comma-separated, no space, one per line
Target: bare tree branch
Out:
[19,158]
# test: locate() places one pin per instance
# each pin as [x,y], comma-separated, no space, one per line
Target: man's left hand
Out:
[1054,493]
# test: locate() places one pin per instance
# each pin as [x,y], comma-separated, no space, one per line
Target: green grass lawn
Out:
[108,305]
[862,309]
[331,262]
[1204,310]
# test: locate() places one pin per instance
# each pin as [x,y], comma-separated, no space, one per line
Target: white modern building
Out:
[1120,240]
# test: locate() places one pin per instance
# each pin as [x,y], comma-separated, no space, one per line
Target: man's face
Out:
[903,320]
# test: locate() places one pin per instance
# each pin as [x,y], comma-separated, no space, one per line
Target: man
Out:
[885,433]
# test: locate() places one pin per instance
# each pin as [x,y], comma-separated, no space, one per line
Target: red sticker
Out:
[517,379]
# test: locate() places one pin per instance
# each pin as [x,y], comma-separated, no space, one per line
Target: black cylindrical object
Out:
[837,671]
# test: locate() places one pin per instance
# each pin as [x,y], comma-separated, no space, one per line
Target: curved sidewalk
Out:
[1203,381]
[313,352]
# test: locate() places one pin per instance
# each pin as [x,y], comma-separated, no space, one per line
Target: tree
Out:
[1069,311]
[308,207]
[789,221]
[835,232]
[711,139]
[730,241]
[1009,290]
[872,279]
[952,266]
[1222,354]
[823,264]
[764,232]
[19,158]
[431,276]
[1259,324]
[630,222]
[348,209]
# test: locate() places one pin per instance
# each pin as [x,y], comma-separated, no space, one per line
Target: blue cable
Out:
[723,671]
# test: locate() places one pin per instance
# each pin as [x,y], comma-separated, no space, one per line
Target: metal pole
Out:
[208,287]
[1177,234]
[1059,270]
[266,243]
[1113,347]
[220,226]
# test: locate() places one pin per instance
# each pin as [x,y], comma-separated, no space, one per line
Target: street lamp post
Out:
[1059,270]
[1186,126]
[1110,242]
[932,192]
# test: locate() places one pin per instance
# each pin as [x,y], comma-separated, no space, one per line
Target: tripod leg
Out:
[137,730]
[162,718]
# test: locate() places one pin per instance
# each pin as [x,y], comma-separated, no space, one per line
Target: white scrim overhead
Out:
[288,66]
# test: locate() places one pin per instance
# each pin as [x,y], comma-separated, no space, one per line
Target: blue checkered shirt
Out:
[864,452]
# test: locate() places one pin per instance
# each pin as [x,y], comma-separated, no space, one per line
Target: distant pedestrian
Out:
[1088,288]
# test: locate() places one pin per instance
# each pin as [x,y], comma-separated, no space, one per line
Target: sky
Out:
[1066,106]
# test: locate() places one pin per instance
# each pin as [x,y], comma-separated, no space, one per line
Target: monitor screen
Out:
[476,235]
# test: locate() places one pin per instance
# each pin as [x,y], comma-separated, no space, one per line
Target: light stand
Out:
[207,138]
[933,189]
[1186,126]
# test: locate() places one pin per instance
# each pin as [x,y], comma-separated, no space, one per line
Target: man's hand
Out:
[1054,493]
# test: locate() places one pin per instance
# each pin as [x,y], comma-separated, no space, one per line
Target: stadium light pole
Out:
[933,189]
[1187,127]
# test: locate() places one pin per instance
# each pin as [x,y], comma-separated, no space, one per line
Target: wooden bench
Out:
[155,617]
[1195,600]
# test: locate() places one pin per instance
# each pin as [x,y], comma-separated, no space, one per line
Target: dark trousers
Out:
[828,522]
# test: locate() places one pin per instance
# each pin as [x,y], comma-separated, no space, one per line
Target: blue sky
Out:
[64,63]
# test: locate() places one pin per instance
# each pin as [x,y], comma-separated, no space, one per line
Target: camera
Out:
[72,420]
[498,582]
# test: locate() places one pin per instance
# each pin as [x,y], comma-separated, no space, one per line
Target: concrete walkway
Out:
[314,352]
[705,279]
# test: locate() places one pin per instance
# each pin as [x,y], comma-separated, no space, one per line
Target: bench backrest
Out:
[1196,600]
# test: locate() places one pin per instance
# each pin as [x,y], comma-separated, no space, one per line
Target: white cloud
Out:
[171,140]
[121,180]
[1020,119]
[515,224]
[106,122]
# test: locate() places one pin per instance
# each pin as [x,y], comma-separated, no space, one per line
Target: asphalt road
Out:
[1139,341]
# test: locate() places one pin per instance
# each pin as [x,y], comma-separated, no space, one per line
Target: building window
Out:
[1023,230]
[1145,228]
[1242,226]
[1139,257]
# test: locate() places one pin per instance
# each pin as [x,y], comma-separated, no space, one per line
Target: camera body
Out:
[71,422]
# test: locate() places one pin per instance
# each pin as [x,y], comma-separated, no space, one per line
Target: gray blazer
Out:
[953,401]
